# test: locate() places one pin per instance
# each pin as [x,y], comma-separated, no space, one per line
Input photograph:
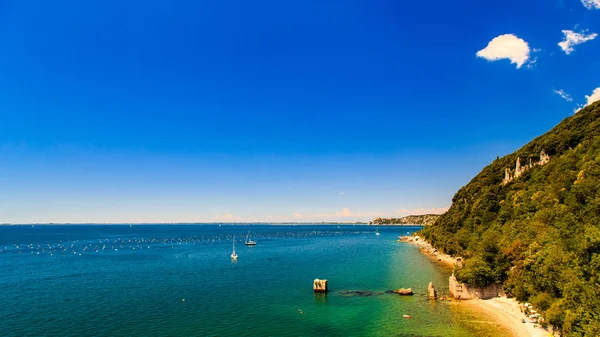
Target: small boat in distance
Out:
[234,256]
[377,233]
[248,241]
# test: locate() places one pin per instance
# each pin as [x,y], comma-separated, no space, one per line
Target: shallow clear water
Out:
[79,280]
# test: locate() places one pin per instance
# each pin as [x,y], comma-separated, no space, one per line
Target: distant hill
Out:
[424,220]
[531,220]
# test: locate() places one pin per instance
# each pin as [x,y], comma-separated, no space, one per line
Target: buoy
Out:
[183,300]
[406,316]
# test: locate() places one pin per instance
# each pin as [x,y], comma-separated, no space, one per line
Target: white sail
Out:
[248,241]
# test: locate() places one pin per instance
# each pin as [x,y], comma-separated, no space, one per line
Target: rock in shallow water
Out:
[405,292]
[364,293]
[320,286]
[431,291]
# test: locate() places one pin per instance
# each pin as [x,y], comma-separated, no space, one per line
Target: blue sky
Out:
[181,111]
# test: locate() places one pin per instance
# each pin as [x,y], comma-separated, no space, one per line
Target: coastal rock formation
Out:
[320,286]
[537,235]
[464,291]
[431,291]
[405,292]
[424,220]
[510,175]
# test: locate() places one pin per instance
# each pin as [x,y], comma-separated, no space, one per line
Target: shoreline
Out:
[427,249]
[505,311]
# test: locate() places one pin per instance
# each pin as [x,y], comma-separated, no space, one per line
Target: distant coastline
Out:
[409,220]
[397,225]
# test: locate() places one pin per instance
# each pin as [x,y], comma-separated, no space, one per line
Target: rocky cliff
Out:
[531,221]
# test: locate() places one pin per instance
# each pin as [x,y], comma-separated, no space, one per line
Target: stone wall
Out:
[463,291]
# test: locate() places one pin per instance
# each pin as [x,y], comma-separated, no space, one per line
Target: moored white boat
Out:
[248,241]
[234,256]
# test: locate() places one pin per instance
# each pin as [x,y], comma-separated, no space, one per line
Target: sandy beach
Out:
[506,311]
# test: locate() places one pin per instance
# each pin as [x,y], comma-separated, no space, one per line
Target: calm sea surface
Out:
[179,280]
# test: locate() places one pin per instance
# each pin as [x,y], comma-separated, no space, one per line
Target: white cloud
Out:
[507,46]
[341,193]
[227,217]
[594,97]
[348,215]
[420,211]
[572,39]
[563,94]
[532,63]
[591,4]
[345,213]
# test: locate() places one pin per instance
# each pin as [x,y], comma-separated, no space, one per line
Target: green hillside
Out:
[539,234]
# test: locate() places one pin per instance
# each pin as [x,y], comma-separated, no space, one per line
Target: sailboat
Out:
[248,241]
[234,256]
[377,233]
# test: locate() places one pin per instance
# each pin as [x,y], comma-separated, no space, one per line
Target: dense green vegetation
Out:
[425,220]
[540,233]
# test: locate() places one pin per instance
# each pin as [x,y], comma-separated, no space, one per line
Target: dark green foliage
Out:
[476,272]
[540,233]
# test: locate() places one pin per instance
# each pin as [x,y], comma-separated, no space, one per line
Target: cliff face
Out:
[531,220]
[520,169]
[421,220]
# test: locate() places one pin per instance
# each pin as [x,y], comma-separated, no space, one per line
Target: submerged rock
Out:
[405,292]
[363,293]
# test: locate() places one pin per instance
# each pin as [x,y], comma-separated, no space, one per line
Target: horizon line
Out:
[182,223]
[201,223]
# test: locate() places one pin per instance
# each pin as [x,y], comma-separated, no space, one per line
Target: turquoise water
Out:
[179,280]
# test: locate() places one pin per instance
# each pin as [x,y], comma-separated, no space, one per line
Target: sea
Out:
[180,280]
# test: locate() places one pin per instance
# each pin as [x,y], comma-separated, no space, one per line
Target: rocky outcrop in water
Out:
[320,286]
[404,292]
[431,291]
